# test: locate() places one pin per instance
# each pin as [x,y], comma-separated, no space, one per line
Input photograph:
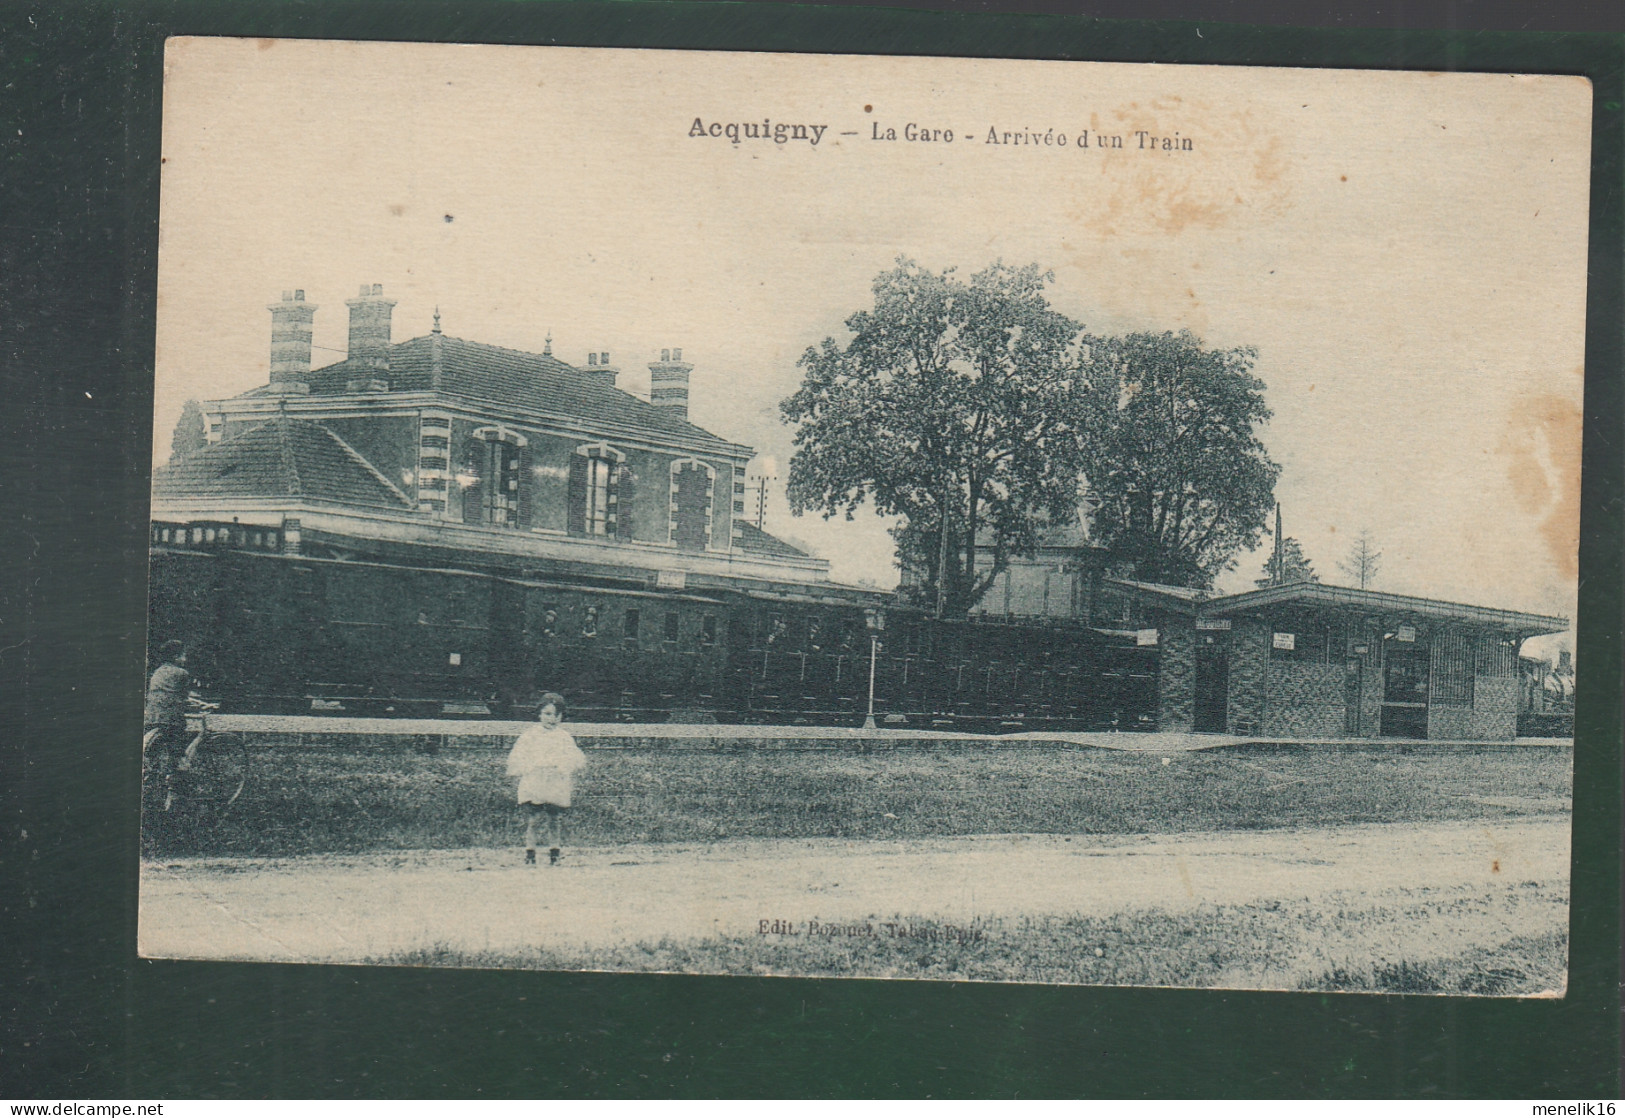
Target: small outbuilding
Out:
[1307,660]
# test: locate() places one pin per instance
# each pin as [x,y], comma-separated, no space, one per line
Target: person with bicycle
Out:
[164,747]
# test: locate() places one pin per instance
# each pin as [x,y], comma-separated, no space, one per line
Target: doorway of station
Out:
[1211,710]
[1404,689]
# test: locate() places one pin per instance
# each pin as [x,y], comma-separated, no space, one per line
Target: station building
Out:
[1307,660]
[447,451]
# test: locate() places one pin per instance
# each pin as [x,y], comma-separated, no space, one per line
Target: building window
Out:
[708,629]
[672,624]
[629,625]
[435,442]
[490,477]
[600,492]
[692,486]
[599,473]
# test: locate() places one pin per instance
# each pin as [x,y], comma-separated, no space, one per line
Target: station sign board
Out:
[1287,642]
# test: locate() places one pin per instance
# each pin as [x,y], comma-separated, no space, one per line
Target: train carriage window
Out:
[270,540]
[708,629]
[777,629]
[589,622]
[671,626]
[629,626]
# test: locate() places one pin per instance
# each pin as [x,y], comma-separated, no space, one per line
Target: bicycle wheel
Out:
[218,774]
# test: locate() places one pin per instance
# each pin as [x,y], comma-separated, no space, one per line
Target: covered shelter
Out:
[1307,660]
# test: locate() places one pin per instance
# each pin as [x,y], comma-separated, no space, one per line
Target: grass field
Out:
[314,800]
[1299,945]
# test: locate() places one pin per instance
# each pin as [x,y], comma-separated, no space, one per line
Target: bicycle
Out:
[204,782]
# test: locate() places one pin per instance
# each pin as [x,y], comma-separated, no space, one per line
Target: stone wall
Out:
[390,443]
[1495,708]
[1176,674]
[1249,668]
[1304,700]
[1450,723]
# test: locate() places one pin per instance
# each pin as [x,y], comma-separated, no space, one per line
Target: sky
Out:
[1406,252]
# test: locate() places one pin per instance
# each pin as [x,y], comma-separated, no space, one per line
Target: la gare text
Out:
[737,132]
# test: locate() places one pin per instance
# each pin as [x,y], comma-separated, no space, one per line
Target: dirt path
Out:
[349,909]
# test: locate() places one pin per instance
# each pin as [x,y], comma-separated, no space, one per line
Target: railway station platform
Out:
[317,731]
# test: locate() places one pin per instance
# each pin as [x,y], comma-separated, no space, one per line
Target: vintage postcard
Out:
[846,516]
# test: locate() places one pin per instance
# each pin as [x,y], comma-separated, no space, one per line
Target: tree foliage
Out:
[1363,563]
[190,433]
[1287,563]
[976,414]
[1178,477]
[951,408]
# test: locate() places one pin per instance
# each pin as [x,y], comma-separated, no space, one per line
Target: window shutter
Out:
[625,490]
[576,495]
[524,491]
[471,463]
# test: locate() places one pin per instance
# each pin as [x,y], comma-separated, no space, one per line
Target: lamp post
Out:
[875,621]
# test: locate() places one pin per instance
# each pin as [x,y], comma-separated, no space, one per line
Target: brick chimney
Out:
[369,338]
[668,381]
[599,363]
[290,343]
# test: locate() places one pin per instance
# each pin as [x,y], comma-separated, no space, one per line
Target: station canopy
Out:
[1375,603]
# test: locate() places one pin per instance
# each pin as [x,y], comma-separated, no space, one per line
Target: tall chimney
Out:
[369,335]
[668,381]
[599,363]
[290,342]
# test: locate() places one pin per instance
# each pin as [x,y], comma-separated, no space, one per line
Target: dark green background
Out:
[79,128]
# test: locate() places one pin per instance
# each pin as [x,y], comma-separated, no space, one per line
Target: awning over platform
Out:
[1195,603]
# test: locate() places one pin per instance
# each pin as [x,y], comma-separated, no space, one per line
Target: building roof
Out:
[506,378]
[1181,594]
[1196,603]
[752,538]
[279,458]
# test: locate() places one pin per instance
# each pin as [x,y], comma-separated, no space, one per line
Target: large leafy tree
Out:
[1178,479]
[952,408]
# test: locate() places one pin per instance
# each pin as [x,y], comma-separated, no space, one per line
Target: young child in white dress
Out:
[546,760]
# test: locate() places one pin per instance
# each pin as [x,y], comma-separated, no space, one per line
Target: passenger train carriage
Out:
[275,633]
